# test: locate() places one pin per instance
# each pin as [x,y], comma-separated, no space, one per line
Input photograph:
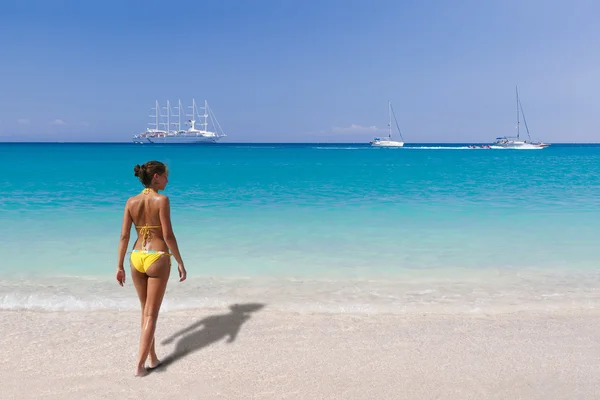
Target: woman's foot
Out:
[141,371]
[152,359]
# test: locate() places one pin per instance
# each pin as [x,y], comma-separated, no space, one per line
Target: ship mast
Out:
[179,114]
[389,120]
[518,122]
[205,116]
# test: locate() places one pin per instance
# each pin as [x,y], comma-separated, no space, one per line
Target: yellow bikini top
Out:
[145,229]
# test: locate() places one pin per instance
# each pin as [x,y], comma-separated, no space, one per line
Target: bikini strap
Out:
[145,233]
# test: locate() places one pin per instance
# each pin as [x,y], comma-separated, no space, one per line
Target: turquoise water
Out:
[307,225]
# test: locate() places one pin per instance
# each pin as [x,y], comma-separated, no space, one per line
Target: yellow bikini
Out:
[144,258]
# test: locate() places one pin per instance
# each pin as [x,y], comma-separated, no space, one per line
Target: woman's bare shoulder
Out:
[162,198]
[159,199]
[156,198]
[131,201]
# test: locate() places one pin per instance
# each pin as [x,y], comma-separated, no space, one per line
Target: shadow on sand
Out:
[208,331]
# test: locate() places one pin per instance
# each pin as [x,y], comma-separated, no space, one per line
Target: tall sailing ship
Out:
[166,125]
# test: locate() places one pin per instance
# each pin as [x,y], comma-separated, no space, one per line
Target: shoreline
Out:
[478,294]
[274,354]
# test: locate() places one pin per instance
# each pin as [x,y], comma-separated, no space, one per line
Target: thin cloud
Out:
[58,122]
[84,123]
[23,121]
[351,132]
[355,128]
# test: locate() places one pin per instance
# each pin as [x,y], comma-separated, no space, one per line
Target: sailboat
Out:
[515,142]
[379,142]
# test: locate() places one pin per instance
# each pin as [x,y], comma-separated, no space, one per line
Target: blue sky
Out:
[302,71]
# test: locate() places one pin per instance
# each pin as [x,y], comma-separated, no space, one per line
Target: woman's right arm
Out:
[169,236]
[123,242]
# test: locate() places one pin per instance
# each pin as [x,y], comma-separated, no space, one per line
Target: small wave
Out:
[300,295]
[46,302]
[439,148]
[254,147]
[340,148]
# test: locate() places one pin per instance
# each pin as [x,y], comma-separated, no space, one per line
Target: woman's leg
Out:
[154,286]
[140,282]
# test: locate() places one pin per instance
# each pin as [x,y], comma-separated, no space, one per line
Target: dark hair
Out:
[146,171]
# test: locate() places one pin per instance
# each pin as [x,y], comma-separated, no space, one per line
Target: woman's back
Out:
[145,214]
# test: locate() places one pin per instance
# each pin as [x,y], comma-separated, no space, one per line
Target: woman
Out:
[150,259]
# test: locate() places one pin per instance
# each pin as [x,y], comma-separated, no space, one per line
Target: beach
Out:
[277,355]
[432,272]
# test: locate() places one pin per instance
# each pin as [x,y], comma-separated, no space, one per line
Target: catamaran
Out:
[178,135]
[515,142]
[379,142]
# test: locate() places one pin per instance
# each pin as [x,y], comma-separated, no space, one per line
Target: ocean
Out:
[310,227]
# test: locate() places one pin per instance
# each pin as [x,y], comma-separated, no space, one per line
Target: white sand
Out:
[91,355]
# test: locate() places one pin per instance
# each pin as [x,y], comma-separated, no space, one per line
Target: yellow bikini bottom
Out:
[143,259]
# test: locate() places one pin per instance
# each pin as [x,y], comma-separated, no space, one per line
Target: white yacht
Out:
[515,142]
[388,142]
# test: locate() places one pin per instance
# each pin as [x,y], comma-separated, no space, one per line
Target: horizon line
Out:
[237,143]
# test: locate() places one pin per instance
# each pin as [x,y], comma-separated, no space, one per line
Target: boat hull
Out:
[520,146]
[180,139]
[387,144]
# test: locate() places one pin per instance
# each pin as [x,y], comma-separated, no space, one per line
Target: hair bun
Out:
[146,171]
